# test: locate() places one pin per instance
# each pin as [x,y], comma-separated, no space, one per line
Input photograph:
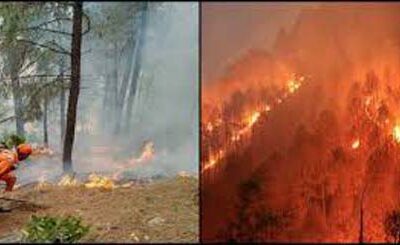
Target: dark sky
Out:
[228,29]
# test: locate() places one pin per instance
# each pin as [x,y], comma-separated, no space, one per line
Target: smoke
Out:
[347,52]
[165,109]
[230,29]
[166,105]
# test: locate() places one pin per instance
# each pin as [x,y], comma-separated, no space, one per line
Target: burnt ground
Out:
[164,210]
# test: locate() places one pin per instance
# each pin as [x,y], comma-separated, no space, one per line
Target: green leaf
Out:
[54,229]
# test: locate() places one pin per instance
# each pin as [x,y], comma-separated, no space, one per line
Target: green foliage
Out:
[11,140]
[49,229]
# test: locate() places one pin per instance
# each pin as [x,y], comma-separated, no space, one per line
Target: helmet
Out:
[23,150]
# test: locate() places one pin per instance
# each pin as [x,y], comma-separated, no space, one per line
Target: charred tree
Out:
[45,127]
[138,64]
[74,86]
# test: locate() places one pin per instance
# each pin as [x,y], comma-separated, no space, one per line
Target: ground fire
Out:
[303,139]
[94,180]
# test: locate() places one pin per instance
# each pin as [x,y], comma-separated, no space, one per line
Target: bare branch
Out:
[55,31]
[58,79]
[46,46]
[7,119]
[31,63]
[45,23]
[36,76]
[40,75]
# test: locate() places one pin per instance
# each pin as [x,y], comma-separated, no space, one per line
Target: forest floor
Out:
[164,210]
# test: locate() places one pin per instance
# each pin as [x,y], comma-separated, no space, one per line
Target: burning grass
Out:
[163,210]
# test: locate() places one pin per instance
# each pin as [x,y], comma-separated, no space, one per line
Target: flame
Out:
[214,159]
[396,133]
[368,101]
[355,144]
[235,138]
[209,127]
[147,152]
[253,118]
[210,164]
[97,181]
[68,180]
[94,181]
[293,85]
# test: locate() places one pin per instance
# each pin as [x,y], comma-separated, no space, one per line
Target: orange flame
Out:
[147,152]
[355,144]
[292,86]
[253,118]
[396,133]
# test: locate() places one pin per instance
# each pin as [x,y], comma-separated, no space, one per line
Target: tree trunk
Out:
[361,217]
[361,232]
[62,102]
[124,85]
[74,87]
[137,66]
[18,110]
[106,104]
[45,132]
[114,88]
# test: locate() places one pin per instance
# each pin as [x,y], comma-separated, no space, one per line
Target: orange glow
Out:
[249,121]
[313,123]
[209,127]
[293,85]
[97,181]
[355,144]
[396,133]
[253,118]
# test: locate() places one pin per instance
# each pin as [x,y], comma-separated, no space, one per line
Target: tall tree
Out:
[137,63]
[124,84]
[45,126]
[62,100]
[74,86]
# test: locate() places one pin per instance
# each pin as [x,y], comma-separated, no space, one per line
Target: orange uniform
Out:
[8,161]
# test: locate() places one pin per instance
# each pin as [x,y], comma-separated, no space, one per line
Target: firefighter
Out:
[8,163]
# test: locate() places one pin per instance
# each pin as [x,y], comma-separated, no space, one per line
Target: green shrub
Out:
[11,140]
[54,230]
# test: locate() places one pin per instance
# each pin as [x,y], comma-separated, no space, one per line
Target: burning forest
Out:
[93,130]
[301,136]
